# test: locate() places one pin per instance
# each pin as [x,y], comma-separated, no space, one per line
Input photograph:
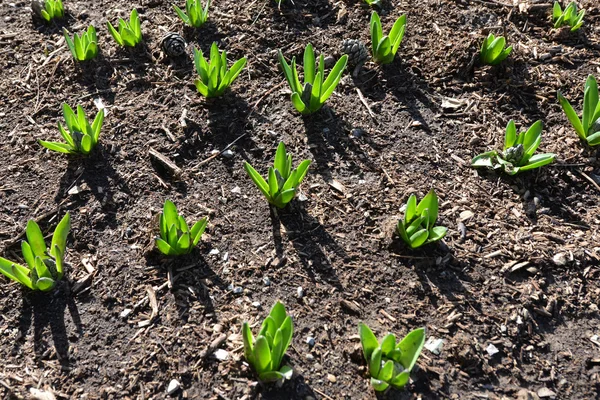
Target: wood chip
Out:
[165,162]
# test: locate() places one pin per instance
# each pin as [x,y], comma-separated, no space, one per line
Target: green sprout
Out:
[493,51]
[44,266]
[195,16]
[215,78]
[81,137]
[175,236]
[418,226]
[265,352]
[588,127]
[518,153]
[569,16]
[48,9]
[311,96]
[130,33]
[282,182]
[84,47]
[372,3]
[390,363]
[385,47]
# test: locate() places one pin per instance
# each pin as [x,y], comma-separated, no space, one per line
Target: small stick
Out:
[174,169]
[593,182]
[364,101]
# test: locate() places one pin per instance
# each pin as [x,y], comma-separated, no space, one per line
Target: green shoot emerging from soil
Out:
[48,9]
[130,33]
[282,182]
[385,47]
[389,362]
[44,266]
[518,153]
[265,352]
[372,3]
[84,47]
[175,236]
[311,96]
[493,51]
[215,78]
[81,137]
[569,16]
[418,226]
[195,16]
[588,127]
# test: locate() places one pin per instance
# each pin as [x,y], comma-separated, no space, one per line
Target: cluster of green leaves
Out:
[215,78]
[311,96]
[518,153]
[84,47]
[389,362]
[282,182]
[130,33]
[265,352]
[81,137]
[493,51]
[385,47]
[175,236]
[52,9]
[195,16]
[44,266]
[588,127]
[418,226]
[570,16]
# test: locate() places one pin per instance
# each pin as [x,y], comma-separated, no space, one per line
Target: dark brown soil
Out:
[494,280]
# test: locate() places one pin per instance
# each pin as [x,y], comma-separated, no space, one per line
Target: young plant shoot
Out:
[84,47]
[418,226]
[81,137]
[265,352]
[130,33]
[48,9]
[389,362]
[44,266]
[588,127]
[311,96]
[194,15]
[215,78]
[518,153]
[372,3]
[282,182]
[175,236]
[493,51]
[385,47]
[569,17]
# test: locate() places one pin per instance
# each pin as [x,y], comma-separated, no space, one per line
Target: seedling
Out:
[81,137]
[48,9]
[569,16]
[44,266]
[418,226]
[195,16]
[493,51]
[588,127]
[265,352]
[385,47]
[84,47]
[215,78]
[390,363]
[372,3]
[311,96]
[282,180]
[518,153]
[130,33]
[175,236]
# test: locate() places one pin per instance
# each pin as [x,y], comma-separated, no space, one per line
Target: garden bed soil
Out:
[512,291]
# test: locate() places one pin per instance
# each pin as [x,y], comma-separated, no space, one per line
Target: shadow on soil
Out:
[47,310]
[296,389]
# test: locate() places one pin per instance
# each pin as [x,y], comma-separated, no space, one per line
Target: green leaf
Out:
[334,78]
[164,247]
[309,64]
[388,343]
[411,347]
[42,269]
[429,202]
[594,139]
[278,313]
[170,214]
[183,244]
[97,125]
[35,238]
[172,237]
[114,34]
[511,135]
[556,11]
[280,158]
[262,355]
[302,170]
[368,340]
[128,37]
[376,32]
[402,232]
[397,33]
[59,237]
[248,343]
[538,160]
[400,380]
[91,51]
[198,229]
[273,184]
[387,371]
[315,97]
[375,362]
[55,146]
[485,159]
[495,49]
[86,144]
[418,238]
[15,272]
[69,42]
[436,233]
[384,51]
[58,258]
[277,350]
[287,331]
[28,255]
[378,385]
[135,25]
[258,180]
[284,197]
[298,104]
[572,116]
[45,284]
[66,135]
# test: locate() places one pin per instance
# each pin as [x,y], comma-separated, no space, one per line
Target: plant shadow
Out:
[295,389]
[47,311]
